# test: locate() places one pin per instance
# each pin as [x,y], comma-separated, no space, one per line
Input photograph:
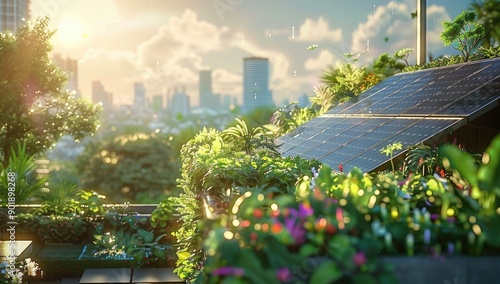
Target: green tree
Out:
[463,33]
[33,106]
[127,167]
[488,15]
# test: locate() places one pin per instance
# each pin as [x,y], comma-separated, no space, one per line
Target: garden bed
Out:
[70,260]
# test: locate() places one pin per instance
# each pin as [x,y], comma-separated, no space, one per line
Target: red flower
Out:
[341,168]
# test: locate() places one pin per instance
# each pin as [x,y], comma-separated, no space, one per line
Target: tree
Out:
[488,15]
[128,167]
[462,33]
[33,106]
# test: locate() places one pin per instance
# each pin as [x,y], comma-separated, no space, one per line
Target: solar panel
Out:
[409,108]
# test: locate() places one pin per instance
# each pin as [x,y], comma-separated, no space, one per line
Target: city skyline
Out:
[165,44]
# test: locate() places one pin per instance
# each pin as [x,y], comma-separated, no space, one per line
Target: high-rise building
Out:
[205,87]
[139,96]
[207,98]
[13,14]
[179,103]
[70,67]
[157,103]
[99,95]
[256,91]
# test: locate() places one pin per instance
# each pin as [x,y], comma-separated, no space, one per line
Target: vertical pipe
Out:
[421,31]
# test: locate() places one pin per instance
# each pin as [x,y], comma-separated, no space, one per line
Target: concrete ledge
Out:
[155,275]
[106,275]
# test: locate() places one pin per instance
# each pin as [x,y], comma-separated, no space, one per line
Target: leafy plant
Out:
[481,183]
[314,240]
[20,175]
[130,164]
[389,151]
[245,139]
[422,159]
[463,33]
[55,228]
[34,107]
[130,235]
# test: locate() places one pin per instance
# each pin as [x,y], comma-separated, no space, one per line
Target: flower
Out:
[228,270]
[283,274]
[22,268]
[359,258]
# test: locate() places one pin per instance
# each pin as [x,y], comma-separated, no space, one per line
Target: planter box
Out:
[452,270]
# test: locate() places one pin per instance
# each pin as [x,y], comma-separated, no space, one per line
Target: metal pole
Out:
[421,31]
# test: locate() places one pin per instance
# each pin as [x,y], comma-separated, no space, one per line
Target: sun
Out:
[71,32]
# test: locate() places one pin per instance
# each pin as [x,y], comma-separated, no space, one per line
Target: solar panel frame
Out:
[410,108]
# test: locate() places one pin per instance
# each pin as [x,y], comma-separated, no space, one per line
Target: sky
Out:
[165,43]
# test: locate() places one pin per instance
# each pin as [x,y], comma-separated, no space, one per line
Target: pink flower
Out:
[228,270]
[283,274]
[359,258]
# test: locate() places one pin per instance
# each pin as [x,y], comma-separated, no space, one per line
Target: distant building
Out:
[205,86]
[139,96]
[304,101]
[256,91]
[99,95]
[70,67]
[179,103]
[13,14]
[207,98]
[157,103]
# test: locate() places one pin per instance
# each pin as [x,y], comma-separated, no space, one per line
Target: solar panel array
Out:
[409,108]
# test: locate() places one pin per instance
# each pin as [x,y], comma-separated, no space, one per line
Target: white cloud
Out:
[325,58]
[117,68]
[318,31]
[391,28]
[226,82]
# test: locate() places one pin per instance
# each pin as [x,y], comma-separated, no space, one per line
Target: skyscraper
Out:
[179,103]
[70,67]
[205,87]
[256,91]
[139,96]
[13,14]
[99,95]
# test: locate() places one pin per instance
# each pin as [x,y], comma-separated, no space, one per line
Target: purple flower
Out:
[296,230]
[283,274]
[305,210]
[228,270]
[359,258]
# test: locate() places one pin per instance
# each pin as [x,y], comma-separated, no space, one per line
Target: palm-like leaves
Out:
[246,139]
[27,182]
[488,15]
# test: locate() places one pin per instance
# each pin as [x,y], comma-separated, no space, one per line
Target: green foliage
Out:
[463,33]
[33,106]
[65,199]
[130,235]
[55,228]
[19,174]
[315,240]
[389,151]
[246,139]
[483,179]
[488,15]
[126,166]
[214,171]
[292,116]
[386,66]
[422,159]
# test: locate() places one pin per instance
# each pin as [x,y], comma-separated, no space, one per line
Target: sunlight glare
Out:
[70,32]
